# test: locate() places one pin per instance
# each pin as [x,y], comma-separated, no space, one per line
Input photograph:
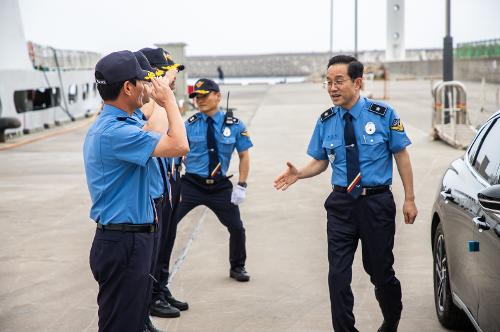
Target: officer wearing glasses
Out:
[212,139]
[358,137]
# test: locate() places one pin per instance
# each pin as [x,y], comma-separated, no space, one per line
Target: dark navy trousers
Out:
[217,197]
[121,264]
[370,219]
[166,239]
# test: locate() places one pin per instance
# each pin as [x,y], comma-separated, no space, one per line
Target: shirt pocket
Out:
[227,145]
[333,149]
[197,145]
[373,147]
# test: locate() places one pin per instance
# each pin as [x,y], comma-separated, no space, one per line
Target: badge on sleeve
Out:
[226,132]
[397,125]
[370,128]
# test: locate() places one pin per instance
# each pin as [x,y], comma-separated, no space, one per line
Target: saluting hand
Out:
[161,90]
[287,178]
[410,211]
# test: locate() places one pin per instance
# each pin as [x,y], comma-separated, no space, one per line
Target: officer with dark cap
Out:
[117,155]
[213,136]
[162,298]
[160,191]
[359,138]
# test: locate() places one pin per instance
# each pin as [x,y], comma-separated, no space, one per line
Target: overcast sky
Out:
[219,27]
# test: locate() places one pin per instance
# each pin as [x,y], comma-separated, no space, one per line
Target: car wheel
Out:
[449,315]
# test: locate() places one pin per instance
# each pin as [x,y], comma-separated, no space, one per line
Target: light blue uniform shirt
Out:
[156,186]
[379,133]
[228,138]
[116,154]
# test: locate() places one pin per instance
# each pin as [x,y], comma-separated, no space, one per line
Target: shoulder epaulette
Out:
[326,114]
[378,109]
[192,118]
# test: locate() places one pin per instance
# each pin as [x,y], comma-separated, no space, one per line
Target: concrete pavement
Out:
[45,280]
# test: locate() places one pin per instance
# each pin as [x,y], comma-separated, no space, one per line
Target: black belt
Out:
[130,228]
[203,180]
[366,190]
[158,200]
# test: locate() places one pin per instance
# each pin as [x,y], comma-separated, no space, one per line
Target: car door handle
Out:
[480,224]
[446,194]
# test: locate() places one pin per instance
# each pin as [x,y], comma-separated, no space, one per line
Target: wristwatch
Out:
[242,184]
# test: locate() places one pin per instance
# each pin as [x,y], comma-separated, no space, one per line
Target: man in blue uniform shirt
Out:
[359,137]
[159,189]
[162,298]
[117,153]
[212,139]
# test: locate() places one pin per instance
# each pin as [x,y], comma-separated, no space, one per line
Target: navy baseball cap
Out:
[203,86]
[161,59]
[144,63]
[119,67]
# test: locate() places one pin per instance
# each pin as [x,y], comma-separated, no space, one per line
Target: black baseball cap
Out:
[161,59]
[144,63]
[119,67]
[203,86]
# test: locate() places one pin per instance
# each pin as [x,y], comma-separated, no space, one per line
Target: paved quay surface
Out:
[45,280]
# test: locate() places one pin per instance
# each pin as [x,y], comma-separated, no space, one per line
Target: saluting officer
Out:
[359,137]
[213,136]
[117,155]
[159,190]
[162,298]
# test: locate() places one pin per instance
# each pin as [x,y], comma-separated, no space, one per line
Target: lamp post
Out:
[356,29]
[331,28]
[448,48]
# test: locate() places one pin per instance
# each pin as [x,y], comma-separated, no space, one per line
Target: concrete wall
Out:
[464,69]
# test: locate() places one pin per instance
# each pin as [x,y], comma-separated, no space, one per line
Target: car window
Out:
[487,162]
[476,143]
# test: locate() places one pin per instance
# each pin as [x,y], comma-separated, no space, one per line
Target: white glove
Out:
[238,195]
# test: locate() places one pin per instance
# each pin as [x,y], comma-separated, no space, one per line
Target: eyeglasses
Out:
[337,83]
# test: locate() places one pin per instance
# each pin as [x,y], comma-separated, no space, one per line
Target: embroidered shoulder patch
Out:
[397,125]
[326,114]
[378,109]
[245,133]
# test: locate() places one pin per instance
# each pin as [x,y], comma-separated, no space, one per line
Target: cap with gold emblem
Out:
[203,86]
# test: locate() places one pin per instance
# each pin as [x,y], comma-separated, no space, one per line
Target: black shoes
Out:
[150,327]
[182,306]
[239,273]
[385,327]
[161,308]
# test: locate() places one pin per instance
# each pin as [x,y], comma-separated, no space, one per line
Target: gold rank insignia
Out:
[150,76]
[397,125]
[245,133]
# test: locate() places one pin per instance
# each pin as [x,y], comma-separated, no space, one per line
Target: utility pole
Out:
[331,28]
[356,29]
[448,48]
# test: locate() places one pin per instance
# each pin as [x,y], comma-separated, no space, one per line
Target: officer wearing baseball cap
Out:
[117,152]
[212,139]
[164,304]
[161,192]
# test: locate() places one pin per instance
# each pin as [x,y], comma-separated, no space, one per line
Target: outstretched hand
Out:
[287,178]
